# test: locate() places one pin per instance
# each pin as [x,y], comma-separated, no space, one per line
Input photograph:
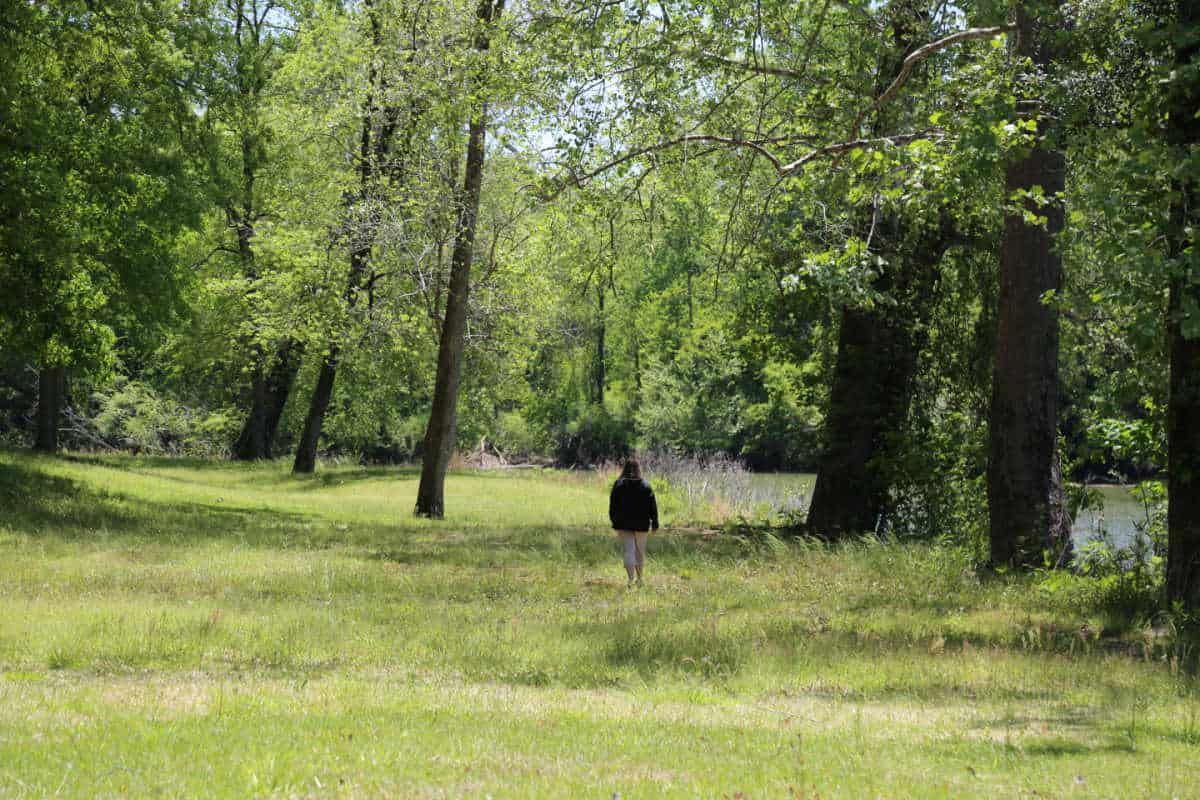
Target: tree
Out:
[1026,510]
[443,414]
[1183,316]
[878,344]
[246,57]
[94,138]
[385,117]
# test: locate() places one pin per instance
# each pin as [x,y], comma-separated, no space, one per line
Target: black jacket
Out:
[632,507]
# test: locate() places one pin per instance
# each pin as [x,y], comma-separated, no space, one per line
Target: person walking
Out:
[633,512]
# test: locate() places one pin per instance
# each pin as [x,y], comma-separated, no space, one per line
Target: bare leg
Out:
[629,545]
[640,553]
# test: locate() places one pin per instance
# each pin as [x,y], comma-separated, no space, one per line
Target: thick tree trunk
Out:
[1183,406]
[443,414]
[252,444]
[1025,497]
[306,448]
[51,387]
[268,395]
[1183,460]
[871,392]
[877,348]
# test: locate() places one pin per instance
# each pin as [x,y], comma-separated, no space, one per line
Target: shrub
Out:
[781,432]
[513,435]
[594,437]
[131,415]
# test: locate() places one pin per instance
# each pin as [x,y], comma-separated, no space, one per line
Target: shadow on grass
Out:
[49,506]
[276,473]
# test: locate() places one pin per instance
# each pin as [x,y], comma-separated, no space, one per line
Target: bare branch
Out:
[859,144]
[758,146]
[921,54]
[745,66]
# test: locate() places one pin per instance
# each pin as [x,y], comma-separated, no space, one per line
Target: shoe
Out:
[639,583]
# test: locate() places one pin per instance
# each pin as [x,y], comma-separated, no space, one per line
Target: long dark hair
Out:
[632,471]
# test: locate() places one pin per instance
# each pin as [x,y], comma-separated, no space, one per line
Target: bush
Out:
[780,433]
[132,416]
[594,437]
[513,435]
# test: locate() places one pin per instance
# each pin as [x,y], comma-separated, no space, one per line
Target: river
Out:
[1121,509]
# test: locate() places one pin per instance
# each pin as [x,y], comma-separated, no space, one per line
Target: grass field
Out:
[186,629]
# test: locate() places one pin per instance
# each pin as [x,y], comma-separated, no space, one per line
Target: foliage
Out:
[780,432]
[592,437]
[94,155]
[689,403]
[131,415]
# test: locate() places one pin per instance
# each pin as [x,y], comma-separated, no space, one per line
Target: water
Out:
[1121,512]
[1121,509]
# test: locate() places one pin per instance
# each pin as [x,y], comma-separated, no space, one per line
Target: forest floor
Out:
[195,629]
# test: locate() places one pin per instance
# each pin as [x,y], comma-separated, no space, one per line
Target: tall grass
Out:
[716,488]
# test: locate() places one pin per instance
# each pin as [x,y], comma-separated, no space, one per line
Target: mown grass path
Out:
[186,629]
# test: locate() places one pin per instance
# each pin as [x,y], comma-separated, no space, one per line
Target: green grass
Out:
[196,629]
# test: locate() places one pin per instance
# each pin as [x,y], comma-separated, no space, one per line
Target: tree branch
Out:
[745,66]
[781,168]
[921,54]
[859,144]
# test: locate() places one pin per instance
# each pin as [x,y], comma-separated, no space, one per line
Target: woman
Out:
[633,512]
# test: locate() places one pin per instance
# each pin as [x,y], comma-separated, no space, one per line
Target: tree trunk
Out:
[1025,497]
[871,392]
[1183,459]
[600,354]
[252,442]
[268,395]
[878,347]
[51,387]
[443,414]
[1183,405]
[279,386]
[306,449]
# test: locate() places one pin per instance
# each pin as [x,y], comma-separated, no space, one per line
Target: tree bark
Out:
[600,354]
[872,388]
[252,444]
[443,414]
[269,392]
[1183,405]
[1183,457]
[279,386]
[1025,498]
[242,212]
[306,448]
[51,387]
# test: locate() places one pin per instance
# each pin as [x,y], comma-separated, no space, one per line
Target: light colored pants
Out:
[634,543]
